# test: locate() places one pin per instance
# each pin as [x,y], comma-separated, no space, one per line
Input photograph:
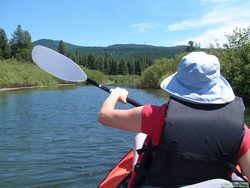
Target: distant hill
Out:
[117,50]
[53,44]
[131,46]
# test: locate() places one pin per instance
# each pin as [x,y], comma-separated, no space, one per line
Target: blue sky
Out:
[107,22]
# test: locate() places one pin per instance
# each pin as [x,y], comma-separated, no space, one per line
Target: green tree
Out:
[106,64]
[100,64]
[76,57]
[123,67]
[4,46]
[152,76]
[235,60]
[138,67]
[192,46]
[113,67]
[239,38]
[131,67]
[91,61]
[61,48]
[20,44]
[83,60]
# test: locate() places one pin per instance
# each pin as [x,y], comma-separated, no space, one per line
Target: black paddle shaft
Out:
[93,82]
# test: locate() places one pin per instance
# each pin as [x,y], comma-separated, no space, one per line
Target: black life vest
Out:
[198,143]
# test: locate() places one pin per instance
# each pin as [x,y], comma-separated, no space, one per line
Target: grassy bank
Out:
[131,80]
[16,74]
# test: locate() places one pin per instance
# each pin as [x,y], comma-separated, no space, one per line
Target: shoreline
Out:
[32,87]
[19,88]
[246,100]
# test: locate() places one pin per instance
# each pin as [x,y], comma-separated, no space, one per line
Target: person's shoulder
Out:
[153,120]
[149,109]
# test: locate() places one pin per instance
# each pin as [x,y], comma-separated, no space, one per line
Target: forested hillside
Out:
[117,50]
[118,59]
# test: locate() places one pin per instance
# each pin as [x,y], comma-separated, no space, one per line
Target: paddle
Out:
[64,68]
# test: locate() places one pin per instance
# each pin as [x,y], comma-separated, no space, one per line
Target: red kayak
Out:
[119,173]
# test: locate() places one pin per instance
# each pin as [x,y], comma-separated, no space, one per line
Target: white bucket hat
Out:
[198,80]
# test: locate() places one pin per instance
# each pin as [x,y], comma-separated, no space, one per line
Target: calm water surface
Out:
[50,138]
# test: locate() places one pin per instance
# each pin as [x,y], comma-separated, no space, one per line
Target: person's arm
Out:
[244,163]
[129,120]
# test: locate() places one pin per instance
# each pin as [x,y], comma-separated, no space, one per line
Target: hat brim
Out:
[220,93]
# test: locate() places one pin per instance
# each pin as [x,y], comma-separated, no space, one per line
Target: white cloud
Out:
[222,19]
[213,36]
[218,16]
[143,27]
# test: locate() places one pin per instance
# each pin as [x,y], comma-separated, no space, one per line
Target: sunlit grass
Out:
[131,80]
[16,74]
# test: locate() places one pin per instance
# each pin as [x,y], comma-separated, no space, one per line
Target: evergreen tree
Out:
[106,64]
[91,61]
[4,46]
[20,44]
[16,41]
[190,47]
[113,67]
[61,48]
[100,64]
[76,57]
[131,67]
[83,60]
[138,67]
[123,68]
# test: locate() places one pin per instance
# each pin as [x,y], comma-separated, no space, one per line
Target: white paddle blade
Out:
[57,64]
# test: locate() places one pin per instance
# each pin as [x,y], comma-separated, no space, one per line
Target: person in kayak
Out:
[198,135]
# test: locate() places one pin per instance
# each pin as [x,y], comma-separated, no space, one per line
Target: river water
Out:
[50,137]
